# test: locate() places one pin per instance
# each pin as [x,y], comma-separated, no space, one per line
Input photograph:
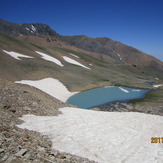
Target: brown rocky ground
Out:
[149,108]
[21,145]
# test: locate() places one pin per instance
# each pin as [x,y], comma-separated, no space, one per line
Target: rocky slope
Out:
[18,145]
[15,30]
[22,145]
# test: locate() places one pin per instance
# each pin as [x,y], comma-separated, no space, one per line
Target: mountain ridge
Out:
[106,47]
[115,49]
[15,29]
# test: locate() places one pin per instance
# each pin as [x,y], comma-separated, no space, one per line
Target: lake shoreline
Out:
[106,95]
[117,106]
[121,106]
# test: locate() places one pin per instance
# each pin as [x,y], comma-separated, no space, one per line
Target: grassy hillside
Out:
[73,76]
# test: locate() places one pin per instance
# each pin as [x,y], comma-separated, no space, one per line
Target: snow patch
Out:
[135,90]
[73,55]
[119,56]
[158,85]
[49,58]
[16,55]
[33,28]
[124,90]
[105,137]
[72,61]
[50,86]
[27,29]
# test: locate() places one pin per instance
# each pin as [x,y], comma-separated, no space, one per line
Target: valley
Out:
[41,69]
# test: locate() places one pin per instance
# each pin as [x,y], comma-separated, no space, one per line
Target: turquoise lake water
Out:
[100,96]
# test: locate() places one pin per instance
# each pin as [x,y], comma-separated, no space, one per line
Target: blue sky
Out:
[138,23]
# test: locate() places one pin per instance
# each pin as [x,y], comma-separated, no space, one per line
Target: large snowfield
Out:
[105,137]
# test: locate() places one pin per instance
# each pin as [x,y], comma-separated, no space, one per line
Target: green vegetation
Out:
[155,95]
[103,80]
[37,46]
[74,77]
[86,57]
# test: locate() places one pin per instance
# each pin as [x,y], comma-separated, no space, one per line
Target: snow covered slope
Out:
[105,137]
[50,86]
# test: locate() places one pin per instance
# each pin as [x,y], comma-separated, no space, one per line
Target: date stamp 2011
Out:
[157,140]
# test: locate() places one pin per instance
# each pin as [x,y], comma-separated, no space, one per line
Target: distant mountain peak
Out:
[15,30]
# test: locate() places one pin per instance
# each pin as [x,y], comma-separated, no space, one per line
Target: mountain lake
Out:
[100,96]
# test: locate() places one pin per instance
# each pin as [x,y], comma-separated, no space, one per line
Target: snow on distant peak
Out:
[124,90]
[51,86]
[49,58]
[73,55]
[72,61]
[16,55]
[105,137]
[33,28]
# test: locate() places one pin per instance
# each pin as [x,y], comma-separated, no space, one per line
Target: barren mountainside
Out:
[108,49]
[116,50]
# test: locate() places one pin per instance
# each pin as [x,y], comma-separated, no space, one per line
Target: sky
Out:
[137,23]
